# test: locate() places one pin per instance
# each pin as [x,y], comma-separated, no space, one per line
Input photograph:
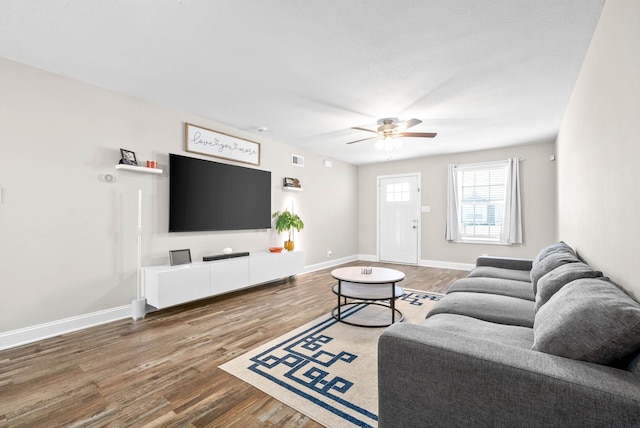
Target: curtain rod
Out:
[479,164]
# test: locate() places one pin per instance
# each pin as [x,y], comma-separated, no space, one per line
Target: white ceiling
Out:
[481,74]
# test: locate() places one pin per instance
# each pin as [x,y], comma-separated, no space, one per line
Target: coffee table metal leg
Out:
[339,293]
[393,303]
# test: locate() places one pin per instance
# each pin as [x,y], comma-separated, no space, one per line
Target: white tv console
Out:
[167,285]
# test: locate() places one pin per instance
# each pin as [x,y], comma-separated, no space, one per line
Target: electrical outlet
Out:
[329,253]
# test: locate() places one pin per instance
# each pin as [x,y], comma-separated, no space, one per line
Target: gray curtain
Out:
[453,210]
[511,231]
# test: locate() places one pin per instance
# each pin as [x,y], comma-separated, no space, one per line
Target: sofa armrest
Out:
[504,262]
[431,377]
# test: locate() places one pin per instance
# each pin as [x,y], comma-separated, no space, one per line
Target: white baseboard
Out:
[427,263]
[329,263]
[368,257]
[13,338]
[446,265]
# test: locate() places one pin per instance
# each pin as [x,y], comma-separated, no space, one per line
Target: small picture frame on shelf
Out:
[179,257]
[291,182]
[128,157]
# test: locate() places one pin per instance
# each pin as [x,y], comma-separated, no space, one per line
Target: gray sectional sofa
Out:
[547,342]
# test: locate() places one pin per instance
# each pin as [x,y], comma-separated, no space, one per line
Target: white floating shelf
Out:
[143,169]
[292,189]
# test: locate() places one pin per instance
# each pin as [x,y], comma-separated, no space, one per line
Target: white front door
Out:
[398,218]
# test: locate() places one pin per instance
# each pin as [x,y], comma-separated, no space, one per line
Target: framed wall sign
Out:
[212,143]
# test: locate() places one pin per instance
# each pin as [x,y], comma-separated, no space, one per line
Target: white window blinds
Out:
[482,193]
[484,202]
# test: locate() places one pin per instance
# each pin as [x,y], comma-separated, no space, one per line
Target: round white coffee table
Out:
[373,288]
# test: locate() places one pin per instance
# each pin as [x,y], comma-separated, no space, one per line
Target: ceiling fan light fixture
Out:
[388,144]
[389,130]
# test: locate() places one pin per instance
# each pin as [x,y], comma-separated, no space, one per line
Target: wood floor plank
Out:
[163,370]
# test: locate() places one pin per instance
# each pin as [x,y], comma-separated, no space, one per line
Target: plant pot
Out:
[288,245]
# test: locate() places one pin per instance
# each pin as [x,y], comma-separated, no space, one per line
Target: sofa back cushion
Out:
[589,319]
[554,248]
[500,273]
[549,263]
[553,281]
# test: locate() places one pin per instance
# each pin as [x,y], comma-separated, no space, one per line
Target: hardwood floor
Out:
[163,370]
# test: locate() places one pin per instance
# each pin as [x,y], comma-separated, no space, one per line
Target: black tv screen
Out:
[206,195]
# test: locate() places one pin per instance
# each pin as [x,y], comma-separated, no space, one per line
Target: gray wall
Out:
[538,176]
[599,150]
[68,240]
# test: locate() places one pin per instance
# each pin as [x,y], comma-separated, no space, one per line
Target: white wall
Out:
[599,150]
[538,177]
[68,240]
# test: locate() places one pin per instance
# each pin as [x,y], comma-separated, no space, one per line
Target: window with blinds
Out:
[481,199]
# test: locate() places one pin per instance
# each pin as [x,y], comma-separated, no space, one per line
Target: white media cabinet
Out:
[167,285]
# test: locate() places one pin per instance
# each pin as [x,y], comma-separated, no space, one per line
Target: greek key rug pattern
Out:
[326,369]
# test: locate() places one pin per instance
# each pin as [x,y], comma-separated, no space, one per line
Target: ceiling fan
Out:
[390,128]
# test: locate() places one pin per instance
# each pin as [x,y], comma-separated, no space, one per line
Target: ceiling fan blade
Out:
[364,139]
[364,129]
[418,134]
[408,124]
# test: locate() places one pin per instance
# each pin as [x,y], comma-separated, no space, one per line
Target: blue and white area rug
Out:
[325,369]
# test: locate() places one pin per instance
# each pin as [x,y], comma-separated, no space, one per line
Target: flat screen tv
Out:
[206,195]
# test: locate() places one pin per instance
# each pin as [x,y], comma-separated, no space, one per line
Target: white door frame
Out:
[382,177]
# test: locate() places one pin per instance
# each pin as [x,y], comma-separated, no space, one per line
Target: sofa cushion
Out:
[591,320]
[504,262]
[511,335]
[554,248]
[553,281]
[549,263]
[503,287]
[496,272]
[487,307]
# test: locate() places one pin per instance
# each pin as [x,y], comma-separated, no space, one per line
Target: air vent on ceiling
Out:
[297,160]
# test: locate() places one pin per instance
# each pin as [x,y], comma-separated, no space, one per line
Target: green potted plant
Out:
[286,222]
